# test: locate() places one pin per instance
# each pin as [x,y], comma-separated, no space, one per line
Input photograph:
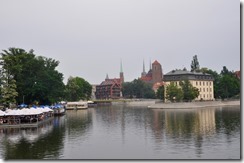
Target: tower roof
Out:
[156,62]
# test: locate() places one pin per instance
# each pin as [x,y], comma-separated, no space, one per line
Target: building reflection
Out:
[183,126]
[187,121]
[32,143]
[78,122]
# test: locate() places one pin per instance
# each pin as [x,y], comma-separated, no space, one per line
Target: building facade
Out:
[110,88]
[202,81]
[154,75]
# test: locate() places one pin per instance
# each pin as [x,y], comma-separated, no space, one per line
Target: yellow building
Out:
[202,81]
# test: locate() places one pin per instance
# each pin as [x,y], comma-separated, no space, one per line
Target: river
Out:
[122,132]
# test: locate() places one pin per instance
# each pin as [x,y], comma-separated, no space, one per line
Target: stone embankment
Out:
[139,103]
[182,105]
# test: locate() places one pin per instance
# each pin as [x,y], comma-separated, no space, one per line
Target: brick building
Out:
[110,88]
[154,76]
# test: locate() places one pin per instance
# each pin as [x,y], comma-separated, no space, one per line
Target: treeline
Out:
[226,86]
[31,79]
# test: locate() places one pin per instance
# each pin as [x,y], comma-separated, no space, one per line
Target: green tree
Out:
[160,93]
[229,85]
[189,92]
[77,88]
[226,85]
[35,76]
[137,88]
[127,90]
[173,92]
[8,89]
[195,64]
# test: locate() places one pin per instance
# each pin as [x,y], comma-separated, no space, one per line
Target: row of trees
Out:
[27,78]
[226,83]
[186,92]
[137,89]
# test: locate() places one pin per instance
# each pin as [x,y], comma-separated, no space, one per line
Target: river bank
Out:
[182,105]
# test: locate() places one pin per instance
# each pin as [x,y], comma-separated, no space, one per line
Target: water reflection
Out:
[122,132]
[78,123]
[33,143]
[194,128]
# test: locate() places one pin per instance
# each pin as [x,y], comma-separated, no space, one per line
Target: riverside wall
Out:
[198,104]
[157,104]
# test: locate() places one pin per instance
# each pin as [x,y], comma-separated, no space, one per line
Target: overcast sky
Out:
[90,37]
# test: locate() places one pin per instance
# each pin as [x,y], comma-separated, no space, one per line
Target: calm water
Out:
[119,132]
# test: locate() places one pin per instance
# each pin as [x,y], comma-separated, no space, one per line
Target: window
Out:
[210,89]
[203,83]
[203,89]
[207,89]
[196,83]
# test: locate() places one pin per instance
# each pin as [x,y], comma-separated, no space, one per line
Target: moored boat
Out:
[76,105]
[58,109]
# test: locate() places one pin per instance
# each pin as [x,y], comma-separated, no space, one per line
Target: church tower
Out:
[121,74]
[157,74]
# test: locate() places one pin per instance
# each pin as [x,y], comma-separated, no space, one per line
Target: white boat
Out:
[58,109]
[76,105]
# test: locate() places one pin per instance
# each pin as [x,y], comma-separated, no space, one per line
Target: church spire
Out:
[143,74]
[150,65]
[107,76]
[121,74]
[143,67]
[121,68]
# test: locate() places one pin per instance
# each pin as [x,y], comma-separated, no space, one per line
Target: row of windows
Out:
[210,90]
[203,83]
[205,96]
[203,77]
[207,83]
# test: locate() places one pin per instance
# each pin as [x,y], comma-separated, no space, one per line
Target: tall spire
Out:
[150,64]
[143,66]
[143,74]
[121,74]
[121,68]
[107,76]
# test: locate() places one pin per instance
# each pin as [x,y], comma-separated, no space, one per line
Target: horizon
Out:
[90,38]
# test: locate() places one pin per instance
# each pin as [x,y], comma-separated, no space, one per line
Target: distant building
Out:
[110,88]
[238,74]
[157,85]
[93,94]
[154,75]
[202,81]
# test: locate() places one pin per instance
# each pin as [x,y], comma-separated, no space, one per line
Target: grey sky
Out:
[90,37]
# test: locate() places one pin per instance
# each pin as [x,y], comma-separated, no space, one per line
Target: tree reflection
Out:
[183,126]
[33,143]
[78,122]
